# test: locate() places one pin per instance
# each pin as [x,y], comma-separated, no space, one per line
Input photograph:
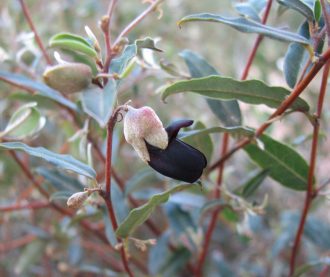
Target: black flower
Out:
[178,160]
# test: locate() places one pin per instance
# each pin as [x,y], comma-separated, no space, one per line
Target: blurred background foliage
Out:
[243,244]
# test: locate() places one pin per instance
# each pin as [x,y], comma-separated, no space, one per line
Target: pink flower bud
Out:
[142,125]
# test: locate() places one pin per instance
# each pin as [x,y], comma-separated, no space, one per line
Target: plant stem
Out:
[280,110]
[36,36]
[214,217]
[107,35]
[29,206]
[107,195]
[310,188]
[10,245]
[224,150]
[257,43]
[137,20]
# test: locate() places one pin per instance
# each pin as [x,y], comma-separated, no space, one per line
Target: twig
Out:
[215,213]
[10,245]
[38,40]
[257,43]
[107,195]
[224,150]
[280,110]
[137,20]
[29,206]
[105,26]
[310,187]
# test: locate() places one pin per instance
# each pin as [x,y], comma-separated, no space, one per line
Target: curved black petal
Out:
[179,161]
[174,128]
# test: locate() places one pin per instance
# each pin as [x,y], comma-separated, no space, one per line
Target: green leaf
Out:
[200,139]
[309,266]
[303,7]
[285,165]
[147,43]
[224,88]
[238,131]
[159,254]
[295,57]
[30,255]
[175,263]
[227,111]
[73,42]
[60,195]
[99,103]
[210,205]
[59,180]
[317,10]
[65,162]
[25,122]
[253,183]
[42,89]
[139,215]
[247,26]
[119,64]
[248,10]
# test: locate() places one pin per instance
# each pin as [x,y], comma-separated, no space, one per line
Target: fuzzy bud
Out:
[77,200]
[68,77]
[142,125]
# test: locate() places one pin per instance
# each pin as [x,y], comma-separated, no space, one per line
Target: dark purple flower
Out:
[178,160]
[160,147]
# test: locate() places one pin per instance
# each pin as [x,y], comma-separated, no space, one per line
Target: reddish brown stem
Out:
[32,27]
[30,206]
[107,195]
[107,35]
[214,217]
[257,43]
[280,110]
[217,191]
[310,188]
[10,245]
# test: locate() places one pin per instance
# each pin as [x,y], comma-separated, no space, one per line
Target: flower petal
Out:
[174,128]
[179,161]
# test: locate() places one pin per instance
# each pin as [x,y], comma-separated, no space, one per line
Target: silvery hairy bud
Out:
[68,77]
[143,125]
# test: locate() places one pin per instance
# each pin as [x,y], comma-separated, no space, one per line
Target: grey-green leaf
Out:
[246,9]
[73,42]
[224,88]
[199,138]
[139,215]
[147,43]
[227,111]
[26,121]
[253,183]
[119,64]
[285,165]
[99,103]
[65,162]
[23,82]
[247,26]
[295,57]
[303,7]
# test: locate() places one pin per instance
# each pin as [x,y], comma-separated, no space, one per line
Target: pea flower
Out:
[160,147]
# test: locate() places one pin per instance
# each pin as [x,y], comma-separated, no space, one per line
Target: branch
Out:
[225,144]
[107,194]
[280,110]
[29,206]
[310,187]
[137,20]
[36,36]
